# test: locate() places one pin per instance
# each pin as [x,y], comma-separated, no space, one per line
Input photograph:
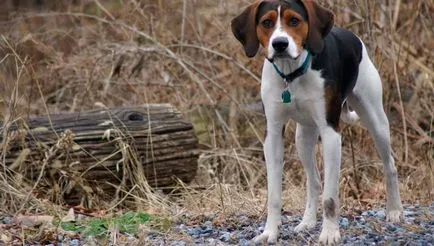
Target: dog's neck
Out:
[289,65]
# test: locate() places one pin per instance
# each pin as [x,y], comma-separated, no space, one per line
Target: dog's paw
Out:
[394,216]
[305,225]
[330,235]
[269,236]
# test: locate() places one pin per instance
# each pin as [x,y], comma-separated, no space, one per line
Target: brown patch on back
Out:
[298,33]
[333,104]
[330,208]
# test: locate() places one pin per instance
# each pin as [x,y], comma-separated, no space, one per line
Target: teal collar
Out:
[288,78]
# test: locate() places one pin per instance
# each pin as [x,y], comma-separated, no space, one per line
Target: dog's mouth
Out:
[282,56]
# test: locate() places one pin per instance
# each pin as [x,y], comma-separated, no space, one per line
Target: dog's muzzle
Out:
[280,44]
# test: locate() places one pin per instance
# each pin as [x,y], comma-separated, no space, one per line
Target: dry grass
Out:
[74,57]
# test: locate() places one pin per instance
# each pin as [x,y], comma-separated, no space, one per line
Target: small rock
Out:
[408,213]
[74,242]
[182,227]
[358,218]
[206,231]
[352,239]
[199,241]
[178,243]
[391,227]
[344,222]
[7,220]
[225,237]
[285,219]
[207,224]
[211,241]
[381,214]
[429,238]
[244,242]
[250,234]
[59,238]
[193,231]
[244,220]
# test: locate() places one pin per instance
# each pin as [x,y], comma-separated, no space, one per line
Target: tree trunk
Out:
[102,152]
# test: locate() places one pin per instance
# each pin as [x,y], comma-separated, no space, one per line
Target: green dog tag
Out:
[286,96]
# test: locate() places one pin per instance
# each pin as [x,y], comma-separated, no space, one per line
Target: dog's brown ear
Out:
[244,29]
[321,21]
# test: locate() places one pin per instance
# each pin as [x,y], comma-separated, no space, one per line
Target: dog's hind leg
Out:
[366,99]
[305,142]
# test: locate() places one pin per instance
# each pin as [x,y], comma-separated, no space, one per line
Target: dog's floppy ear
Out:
[244,29]
[321,21]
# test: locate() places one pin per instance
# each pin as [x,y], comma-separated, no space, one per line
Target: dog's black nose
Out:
[280,44]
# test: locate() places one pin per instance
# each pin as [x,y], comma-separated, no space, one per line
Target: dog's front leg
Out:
[273,150]
[331,142]
[305,140]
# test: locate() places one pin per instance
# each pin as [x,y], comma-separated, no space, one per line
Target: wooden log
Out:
[96,151]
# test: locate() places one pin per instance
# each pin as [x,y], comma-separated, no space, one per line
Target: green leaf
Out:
[130,221]
[72,226]
[95,227]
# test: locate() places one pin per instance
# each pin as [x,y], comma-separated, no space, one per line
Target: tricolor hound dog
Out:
[312,73]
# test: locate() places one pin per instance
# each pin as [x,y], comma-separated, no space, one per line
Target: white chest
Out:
[307,97]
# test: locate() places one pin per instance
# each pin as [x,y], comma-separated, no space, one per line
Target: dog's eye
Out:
[294,21]
[268,24]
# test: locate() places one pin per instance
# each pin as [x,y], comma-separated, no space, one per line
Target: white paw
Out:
[270,236]
[329,235]
[305,225]
[394,216]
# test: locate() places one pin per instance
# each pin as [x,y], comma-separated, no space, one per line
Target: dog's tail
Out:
[347,115]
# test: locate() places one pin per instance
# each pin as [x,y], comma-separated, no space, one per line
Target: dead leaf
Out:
[70,216]
[33,220]
[5,238]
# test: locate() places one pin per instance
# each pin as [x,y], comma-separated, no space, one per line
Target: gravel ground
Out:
[366,228]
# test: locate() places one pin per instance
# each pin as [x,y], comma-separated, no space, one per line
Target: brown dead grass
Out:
[74,57]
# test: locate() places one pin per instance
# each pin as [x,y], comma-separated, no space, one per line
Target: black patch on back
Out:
[339,65]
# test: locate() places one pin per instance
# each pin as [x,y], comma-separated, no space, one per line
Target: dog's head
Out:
[283,27]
